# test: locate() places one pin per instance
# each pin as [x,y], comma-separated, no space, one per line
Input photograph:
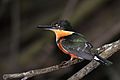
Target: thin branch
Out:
[107,50]
[31,73]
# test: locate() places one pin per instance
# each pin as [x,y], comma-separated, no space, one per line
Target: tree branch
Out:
[31,73]
[109,49]
[106,51]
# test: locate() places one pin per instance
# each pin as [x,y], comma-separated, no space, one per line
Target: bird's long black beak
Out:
[46,27]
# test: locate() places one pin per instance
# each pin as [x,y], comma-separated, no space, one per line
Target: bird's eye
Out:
[59,26]
[56,25]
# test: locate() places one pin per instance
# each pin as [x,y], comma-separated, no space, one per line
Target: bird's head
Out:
[61,28]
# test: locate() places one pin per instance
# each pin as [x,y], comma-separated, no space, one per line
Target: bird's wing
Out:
[76,44]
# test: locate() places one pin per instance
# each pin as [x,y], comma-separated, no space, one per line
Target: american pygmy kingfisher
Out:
[73,43]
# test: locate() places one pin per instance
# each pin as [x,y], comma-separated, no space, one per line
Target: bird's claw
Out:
[65,62]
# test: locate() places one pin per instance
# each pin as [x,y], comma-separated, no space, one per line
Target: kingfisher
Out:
[72,43]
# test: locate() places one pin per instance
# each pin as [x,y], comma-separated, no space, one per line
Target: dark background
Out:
[23,47]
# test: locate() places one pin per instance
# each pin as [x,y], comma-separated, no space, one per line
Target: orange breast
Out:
[61,33]
[65,51]
[61,47]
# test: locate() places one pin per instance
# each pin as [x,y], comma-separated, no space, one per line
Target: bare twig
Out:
[31,73]
[107,50]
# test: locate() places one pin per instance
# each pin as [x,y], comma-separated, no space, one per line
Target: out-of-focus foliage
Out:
[23,47]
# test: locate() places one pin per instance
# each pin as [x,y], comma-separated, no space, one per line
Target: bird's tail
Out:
[102,60]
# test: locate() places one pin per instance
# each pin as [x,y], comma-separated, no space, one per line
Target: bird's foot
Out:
[66,62]
[69,62]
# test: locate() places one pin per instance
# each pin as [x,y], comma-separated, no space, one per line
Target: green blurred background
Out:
[23,47]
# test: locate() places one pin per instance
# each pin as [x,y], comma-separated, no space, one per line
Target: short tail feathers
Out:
[102,60]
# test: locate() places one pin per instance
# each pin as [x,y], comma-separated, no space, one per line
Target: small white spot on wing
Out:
[96,58]
[85,47]
[80,58]
[78,48]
